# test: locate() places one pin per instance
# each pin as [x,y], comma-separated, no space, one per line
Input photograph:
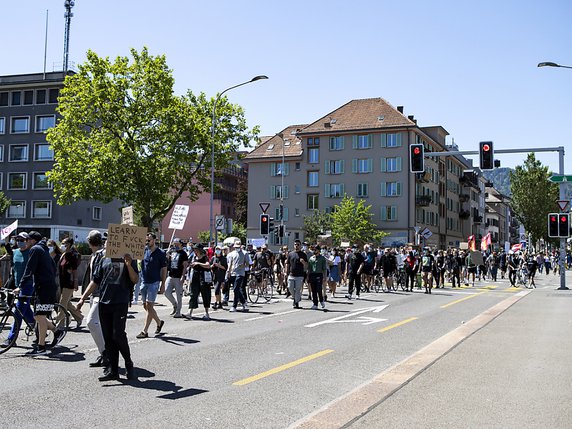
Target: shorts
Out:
[472,270]
[149,291]
[45,300]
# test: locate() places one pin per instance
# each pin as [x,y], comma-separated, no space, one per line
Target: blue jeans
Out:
[23,308]
[237,289]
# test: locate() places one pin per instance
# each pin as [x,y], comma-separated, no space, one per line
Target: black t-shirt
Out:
[219,273]
[199,272]
[295,263]
[354,262]
[427,262]
[263,259]
[112,276]
[175,264]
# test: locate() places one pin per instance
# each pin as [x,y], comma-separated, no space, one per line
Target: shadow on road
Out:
[66,354]
[178,341]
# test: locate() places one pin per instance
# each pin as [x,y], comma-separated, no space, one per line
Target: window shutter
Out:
[398,139]
[285,212]
[342,189]
[342,140]
[393,212]
[273,192]
[327,167]
[354,142]
[273,169]
[384,140]
[354,165]
[383,213]
[384,189]
[332,142]
[327,189]
[342,166]
[370,140]
[398,189]
[383,164]
[285,191]
[370,165]
[286,169]
[398,163]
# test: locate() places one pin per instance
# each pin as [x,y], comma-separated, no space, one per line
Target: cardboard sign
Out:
[127,215]
[477,258]
[122,239]
[179,217]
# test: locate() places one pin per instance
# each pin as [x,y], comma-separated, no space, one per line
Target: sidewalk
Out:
[513,373]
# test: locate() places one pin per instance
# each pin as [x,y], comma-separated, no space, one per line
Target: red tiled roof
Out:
[272,147]
[366,114]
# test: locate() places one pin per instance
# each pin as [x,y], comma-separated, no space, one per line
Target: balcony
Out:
[469,180]
[464,214]
[464,198]
[423,200]
[423,177]
[477,219]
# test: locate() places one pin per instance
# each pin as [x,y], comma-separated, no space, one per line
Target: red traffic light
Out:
[552,218]
[264,218]
[486,147]
[563,219]
[416,151]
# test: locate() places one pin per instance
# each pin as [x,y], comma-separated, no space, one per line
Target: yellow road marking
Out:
[395,325]
[281,368]
[462,299]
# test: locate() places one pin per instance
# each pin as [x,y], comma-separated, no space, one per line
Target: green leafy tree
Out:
[4,202]
[123,134]
[352,221]
[316,224]
[204,237]
[533,196]
[238,231]
[241,202]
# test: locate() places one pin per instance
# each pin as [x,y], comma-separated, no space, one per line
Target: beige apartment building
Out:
[361,149]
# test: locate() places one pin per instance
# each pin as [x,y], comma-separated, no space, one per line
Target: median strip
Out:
[281,368]
[395,325]
[462,299]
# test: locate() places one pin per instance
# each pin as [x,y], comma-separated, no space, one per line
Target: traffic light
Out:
[416,158]
[281,230]
[264,224]
[564,224]
[271,224]
[486,154]
[553,226]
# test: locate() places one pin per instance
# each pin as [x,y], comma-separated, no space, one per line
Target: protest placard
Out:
[122,239]
[179,217]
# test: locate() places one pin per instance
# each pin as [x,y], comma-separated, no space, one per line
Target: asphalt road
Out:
[267,368]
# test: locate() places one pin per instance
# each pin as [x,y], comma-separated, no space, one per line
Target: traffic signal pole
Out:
[560,150]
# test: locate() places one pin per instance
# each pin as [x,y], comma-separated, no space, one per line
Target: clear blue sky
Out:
[468,66]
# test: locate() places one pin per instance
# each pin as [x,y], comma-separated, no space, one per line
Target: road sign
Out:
[220,223]
[426,233]
[264,206]
[563,204]
[362,320]
[558,178]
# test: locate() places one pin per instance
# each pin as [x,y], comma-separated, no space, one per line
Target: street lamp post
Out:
[254,79]
[551,64]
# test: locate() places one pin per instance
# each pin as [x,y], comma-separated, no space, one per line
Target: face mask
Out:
[51,249]
[218,252]
[12,242]
[63,247]
[21,244]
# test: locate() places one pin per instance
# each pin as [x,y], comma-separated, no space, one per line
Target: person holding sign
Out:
[154,271]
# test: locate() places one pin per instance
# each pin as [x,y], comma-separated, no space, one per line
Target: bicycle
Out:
[9,317]
[377,282]
[522,276]
[400,278]
[260,284]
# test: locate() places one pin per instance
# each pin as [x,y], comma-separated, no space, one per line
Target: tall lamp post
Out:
[254,79]
[562,192]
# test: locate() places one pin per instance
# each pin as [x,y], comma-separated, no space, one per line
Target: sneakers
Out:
[178,316]
[314,307]
[172,313]
[159,327]
[323,304]
[206,317]
[39,351]
[59,335]
[109,376]
[232,309]
[142,334]
[357,296]
[245,307]
[97,363]
[348,296]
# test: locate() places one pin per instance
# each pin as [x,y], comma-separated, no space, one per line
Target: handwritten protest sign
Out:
[127,215]
[179,217]
[122,239]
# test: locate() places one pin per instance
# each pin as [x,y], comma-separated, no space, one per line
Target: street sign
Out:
[426,233]
[264,206]
[220,223]
[558,178]
[563,205]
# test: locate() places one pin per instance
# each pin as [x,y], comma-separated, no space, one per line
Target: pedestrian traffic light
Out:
[271,224]
[264,224]
[564,225]
[553,227]
[487,158]
[416,158]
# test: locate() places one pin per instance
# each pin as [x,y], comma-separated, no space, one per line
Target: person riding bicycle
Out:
[263,259]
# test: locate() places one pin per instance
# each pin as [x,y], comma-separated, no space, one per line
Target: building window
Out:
[337,143]
[3,99]
[276,169]
[16,98]
[313,155]
[17,209]
[312,202]
[1,177]
[42,152]
[362,190]
[17,181]
[41,96]
[297,212]
[334,190]
[363,142]
[277,214]
[297,189]
[18,153]
[313,178]
[1,153]
[297,166]
[43,123]
[276,192]
[28,97]
[41,181]
[20,125]
[313,141]
[54,93]
[2,125]
[391,140]
[362,166]
[390,189]
[390,165]
[335,167]
[389,213]
[96,213]
[42,209]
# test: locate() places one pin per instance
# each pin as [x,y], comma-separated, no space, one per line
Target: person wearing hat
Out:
[42,271]
[237,261]
[317,274]
[20,259]
[177,265]
[201,280]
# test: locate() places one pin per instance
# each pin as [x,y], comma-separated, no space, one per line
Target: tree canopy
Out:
[352,222]
[123,134]
[316,224]
[4,202]
[533,196]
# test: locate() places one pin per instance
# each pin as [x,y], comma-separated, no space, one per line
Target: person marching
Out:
[317,269]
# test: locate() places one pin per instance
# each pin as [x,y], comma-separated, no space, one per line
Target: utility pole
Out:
[68,4]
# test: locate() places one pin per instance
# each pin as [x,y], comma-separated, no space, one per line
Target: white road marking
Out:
[346,316]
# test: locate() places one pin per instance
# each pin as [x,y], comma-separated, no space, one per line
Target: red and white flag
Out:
[5,232]
[486,242]
[472,244]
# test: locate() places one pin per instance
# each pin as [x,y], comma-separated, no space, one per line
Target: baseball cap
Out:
[23,235]
[35,235]
[237,243]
